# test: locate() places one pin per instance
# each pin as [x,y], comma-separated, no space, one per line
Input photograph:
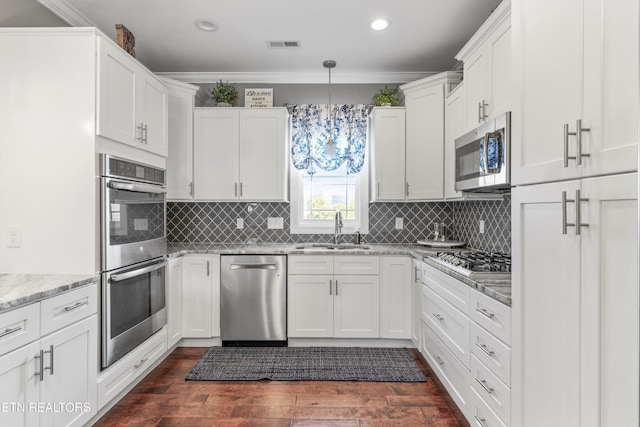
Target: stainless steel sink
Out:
[331,246]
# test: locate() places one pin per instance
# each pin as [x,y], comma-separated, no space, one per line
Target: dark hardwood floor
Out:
[164,398]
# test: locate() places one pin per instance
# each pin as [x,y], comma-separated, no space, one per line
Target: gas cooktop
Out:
[476,264]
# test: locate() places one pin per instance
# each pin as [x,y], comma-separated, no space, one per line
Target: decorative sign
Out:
[125,39]
[258,98]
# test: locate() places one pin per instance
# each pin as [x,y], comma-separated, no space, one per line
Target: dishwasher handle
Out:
[253,266]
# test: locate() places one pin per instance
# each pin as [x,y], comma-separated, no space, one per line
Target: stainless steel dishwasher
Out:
[253,300]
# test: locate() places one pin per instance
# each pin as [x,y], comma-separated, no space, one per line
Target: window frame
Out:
[299,225]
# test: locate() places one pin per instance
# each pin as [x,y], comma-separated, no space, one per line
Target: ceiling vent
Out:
[283,43]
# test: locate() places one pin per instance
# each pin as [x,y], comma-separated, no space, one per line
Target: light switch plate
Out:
[14,236]
[399,223]
[481,226]
[239,223]
[275,223]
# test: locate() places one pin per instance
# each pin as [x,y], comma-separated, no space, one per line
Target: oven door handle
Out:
[138,188]
[139,271]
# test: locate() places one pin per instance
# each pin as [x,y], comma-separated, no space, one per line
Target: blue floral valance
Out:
[310,133]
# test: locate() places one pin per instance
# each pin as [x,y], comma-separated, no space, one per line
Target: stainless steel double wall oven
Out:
[133,254]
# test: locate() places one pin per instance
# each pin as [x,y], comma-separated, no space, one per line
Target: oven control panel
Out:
[121,168]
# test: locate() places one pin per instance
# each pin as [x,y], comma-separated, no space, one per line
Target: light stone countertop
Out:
[21,289]
[498,289]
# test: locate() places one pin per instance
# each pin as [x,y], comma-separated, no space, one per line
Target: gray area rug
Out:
[306,363]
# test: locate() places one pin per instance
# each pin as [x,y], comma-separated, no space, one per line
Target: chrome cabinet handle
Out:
[144,134]
[479,112]
[140,363]
[485,313]
[240,189]
[40,373]
[484,106]
[330,286]
[10,331]
[417,274]
[141,129]
[76,306]
[579,222]
[437,316]
[407,189]
[484,385]
[336,287]
[208,270]
[378,189]
[579,153]
[564,202]
[235,189]
[191,188]
[50,367]
[566,157]
[439,360]
[485,350]
[481,421]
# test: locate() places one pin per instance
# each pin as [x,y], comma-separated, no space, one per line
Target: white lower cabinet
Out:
[395,301]
[465,339]
[125,371]
[323,304]
[52,380]
[174,298]
[201,296]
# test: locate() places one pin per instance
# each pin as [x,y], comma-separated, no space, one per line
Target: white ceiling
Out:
[423,37]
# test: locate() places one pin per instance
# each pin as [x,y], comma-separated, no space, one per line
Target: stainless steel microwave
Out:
[483,157]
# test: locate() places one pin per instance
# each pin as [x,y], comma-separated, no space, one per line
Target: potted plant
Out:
[224,94]
[386,97]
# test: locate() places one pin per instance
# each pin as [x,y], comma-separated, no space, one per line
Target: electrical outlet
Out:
[14,236]
[239,223]
[481,226]
[275,223]
[399,223]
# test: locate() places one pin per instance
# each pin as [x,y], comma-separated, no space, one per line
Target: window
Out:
[315,199]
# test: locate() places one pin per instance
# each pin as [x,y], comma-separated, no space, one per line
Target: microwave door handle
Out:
[134,273]
[486,153]
[138,188]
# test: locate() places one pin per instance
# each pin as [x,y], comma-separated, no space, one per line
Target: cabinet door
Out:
[310,306]
[475,82]
[453,128]
[357,307]
[19,386]
[180,147]
[263,154]
[72,377]
[153,113]
[395,307]
[546,308]
[425,143]
[117,109]
[499,70]
[416,299]
[174,301]
[388,140]
[198,297]
[215,154]
[610,87]
[610,301]
[547,87]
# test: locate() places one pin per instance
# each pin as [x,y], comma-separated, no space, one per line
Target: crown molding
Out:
[440,78]
[499,15]
[296,77]
[67,13]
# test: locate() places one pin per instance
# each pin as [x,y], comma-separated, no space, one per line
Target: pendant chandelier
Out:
[330,145]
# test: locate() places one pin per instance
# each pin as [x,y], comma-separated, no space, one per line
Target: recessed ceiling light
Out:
[205,25]
[380,24]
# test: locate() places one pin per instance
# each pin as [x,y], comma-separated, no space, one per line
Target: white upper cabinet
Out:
[487,69]
[240,154]
[180,158]
[132,102]
[575,63]
[387,138]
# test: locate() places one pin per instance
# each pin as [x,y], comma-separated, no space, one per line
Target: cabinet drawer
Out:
[117,377]
[67,308]
[492,315]
[492,352]
[479,413]
[356,264]
[19,327]
[451,326]
[454,291]
[492,391]
[449,370]
[310,264]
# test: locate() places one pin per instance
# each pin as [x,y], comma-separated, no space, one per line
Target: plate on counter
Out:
[439,244]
